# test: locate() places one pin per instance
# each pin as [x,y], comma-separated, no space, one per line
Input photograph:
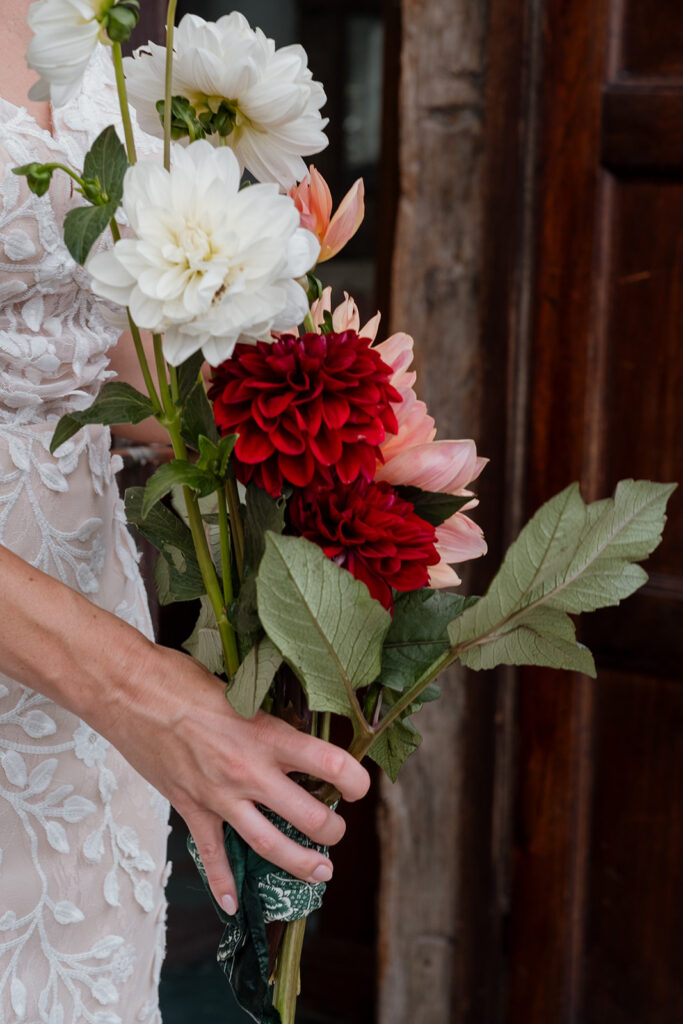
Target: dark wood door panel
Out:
[634,924]
[652,37]
[642,128]
[643,417]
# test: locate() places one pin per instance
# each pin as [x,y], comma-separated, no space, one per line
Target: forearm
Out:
[56,642]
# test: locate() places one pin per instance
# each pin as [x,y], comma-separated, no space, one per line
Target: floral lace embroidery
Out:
[81,869]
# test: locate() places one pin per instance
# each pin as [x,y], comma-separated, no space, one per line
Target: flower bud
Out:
[38,176]
[184,120]
[121,20]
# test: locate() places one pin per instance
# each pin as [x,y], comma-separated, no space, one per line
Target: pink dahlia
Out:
[371,531]
[412,457]
[313,200]
[307,410]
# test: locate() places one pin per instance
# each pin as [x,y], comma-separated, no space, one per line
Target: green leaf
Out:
[323,621]
[315,288]
[418,634]
[263,514]
[83,226]
[545,636]
[569,558]
[197,417]
[254,677]
[188,375]
[177,572]
[116,403]
[393,746]
[204,643]
[432,506]
[107,163]
[104,169]
[176,473]
[214,458]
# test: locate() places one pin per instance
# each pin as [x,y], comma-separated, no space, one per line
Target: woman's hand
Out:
[180,732]
[169,718]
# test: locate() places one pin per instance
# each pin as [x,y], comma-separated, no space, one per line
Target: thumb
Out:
[207,832]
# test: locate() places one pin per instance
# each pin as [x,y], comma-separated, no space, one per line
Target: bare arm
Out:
[213,765]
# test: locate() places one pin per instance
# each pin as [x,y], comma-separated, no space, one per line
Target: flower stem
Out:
[309,323]
[236,523]
[117,55]
[170,23]
[225,546]
[137,340]
[287,971]
[171,420]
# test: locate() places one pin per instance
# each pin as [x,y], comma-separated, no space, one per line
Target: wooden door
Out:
[539,261]
[596,900]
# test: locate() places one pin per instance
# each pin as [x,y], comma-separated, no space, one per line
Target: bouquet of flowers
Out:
[308,505]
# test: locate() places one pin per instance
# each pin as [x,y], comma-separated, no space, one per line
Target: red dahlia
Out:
[306,409]
[369,530]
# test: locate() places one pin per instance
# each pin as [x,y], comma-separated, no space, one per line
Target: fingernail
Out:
[322,874]
[229,905]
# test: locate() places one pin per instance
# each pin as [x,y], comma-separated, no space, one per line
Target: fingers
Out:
[207,832]
[307,814]
[272,845]
[299,752]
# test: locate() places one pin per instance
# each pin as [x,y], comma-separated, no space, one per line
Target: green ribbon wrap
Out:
[265,894]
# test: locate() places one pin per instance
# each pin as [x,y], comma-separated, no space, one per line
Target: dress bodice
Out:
[82,835]
[54,333]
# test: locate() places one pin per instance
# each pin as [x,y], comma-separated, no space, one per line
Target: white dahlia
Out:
[263,101]
[210,264]
[65,34]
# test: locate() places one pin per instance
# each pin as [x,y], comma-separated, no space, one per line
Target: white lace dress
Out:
[82,836]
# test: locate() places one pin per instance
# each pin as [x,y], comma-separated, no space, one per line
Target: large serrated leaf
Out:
[254,677]
[418,634]
[569,558]
[116,403]
[545,636]
[322,620]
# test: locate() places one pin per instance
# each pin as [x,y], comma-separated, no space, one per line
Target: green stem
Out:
[173,373]
[170,22]
[171,420]
[236,522]
[413,692]
[166,399]
[117,54]
[325,727]
[137,340]
[287,972]
[225,546]
[67,170]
